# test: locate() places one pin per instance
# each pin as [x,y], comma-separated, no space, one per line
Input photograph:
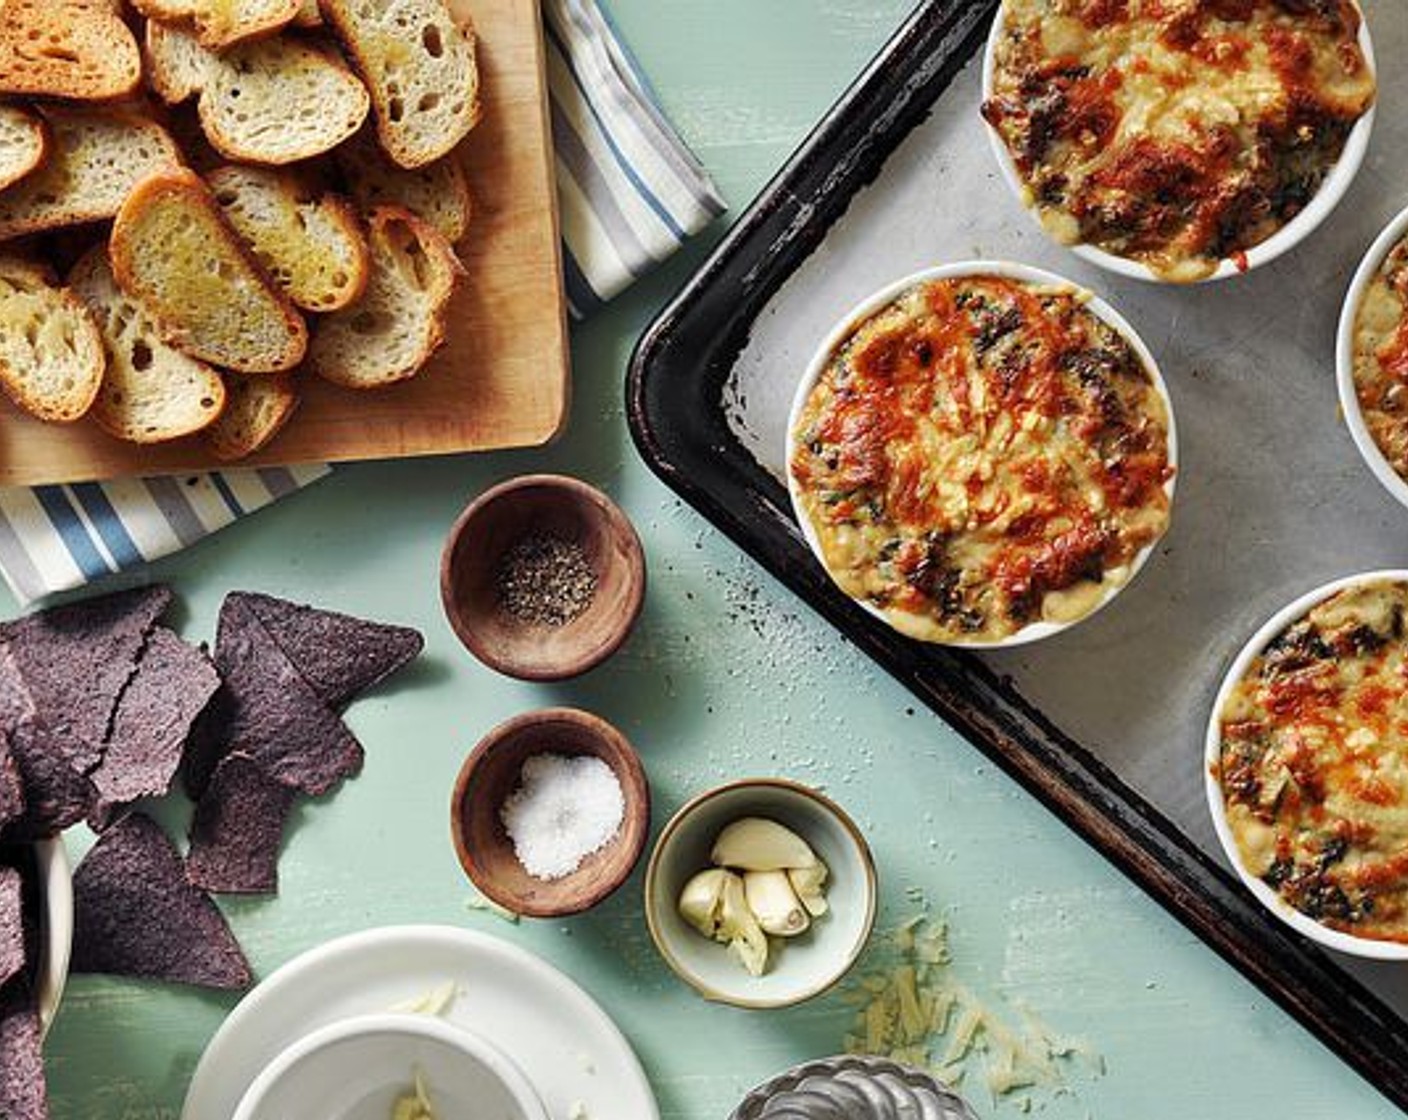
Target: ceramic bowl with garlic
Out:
[760,893]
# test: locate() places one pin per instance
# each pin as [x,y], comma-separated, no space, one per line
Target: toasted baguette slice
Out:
[78,49]
[51,354]
[24,142]
[168,11]
[256,410]
[98,156]
[309,242]
[220,24]
[151,392]
[308,15]
[437,193]
[278,101]
[388,334]
[177,66]
[420,67]
[173,252]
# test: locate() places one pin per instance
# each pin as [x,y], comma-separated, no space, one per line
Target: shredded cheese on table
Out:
[911,1009]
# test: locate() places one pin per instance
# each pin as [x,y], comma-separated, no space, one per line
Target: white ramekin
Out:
[1331,191]
[55,928]
[1012,271]
[371,1059]
[1344,358]
[1301,923]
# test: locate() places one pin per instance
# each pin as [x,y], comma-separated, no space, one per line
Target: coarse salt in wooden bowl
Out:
[534,618]
[493,772]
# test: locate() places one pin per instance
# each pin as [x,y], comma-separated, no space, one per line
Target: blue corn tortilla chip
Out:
[55,795]
[75,661]
[15,709]
[268,711]
[15,704]
[135,914]
[22,858]
[23,1091]
[237,830]
[209,740]
[340,656]
[11,785]
[172,685]
[12,931]
[51,794]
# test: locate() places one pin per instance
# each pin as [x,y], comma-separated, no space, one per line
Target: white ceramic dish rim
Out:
[56,926]
[402,946]
[848,826]
[1301,923]
[1012,270]
[404,1023]
[1331,191]
[1369,267]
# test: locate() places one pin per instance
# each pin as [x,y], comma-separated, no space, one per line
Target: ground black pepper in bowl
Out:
[542,577]
[545,580]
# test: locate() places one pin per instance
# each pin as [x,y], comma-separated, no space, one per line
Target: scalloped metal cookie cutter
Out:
[853,1088]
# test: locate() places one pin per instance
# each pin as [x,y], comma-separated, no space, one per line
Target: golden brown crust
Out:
[344,217]
[437,193]
[433,102]
[76,183]
[309,240]
[185,291]
[281,102]
[151,393]
[85,51]
[170,75]
[217,25]
[32,137]
[392,331]
[29,298]
[256,410]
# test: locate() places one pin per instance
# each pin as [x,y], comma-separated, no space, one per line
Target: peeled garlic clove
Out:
[758,844]
[810,885]
[774,903]
[740,928]
[701,899]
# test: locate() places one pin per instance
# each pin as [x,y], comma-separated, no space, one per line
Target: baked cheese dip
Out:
[981,454]
[1381,358]
[1176,133]
[1313,763]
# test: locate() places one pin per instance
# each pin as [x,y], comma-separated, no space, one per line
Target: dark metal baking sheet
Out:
[1105,729]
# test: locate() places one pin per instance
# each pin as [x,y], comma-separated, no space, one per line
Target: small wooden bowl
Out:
[491,773]
[491,525]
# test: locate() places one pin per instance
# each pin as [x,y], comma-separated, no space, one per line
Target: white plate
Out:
[565,1043]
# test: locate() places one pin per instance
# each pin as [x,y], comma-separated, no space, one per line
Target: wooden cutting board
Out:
[501,380]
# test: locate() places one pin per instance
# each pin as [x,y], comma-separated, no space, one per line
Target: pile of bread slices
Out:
[204,201]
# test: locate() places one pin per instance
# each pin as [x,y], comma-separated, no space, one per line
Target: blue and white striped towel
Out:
[629,192]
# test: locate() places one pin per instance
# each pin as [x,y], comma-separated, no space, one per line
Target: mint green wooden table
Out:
[728,675]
